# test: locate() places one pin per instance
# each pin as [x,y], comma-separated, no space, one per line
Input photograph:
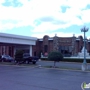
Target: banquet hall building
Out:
[68,46]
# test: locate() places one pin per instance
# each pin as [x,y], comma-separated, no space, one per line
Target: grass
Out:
[63,68]
[32,65]
[12,63]
[6,63]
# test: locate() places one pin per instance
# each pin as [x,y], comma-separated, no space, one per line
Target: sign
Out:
[85,86]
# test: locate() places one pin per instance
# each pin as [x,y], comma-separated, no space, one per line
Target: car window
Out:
[26,54]
[5,56]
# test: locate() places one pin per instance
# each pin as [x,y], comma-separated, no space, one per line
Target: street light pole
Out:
[84,64]
[84,50]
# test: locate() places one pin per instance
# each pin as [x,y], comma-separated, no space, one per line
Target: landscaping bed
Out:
[69,59]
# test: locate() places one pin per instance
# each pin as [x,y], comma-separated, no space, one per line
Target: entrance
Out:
[65,51]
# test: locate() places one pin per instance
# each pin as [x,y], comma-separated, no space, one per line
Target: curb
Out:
[64,69]
[45,67]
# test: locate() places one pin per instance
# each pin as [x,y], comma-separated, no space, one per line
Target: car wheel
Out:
[27,62]
[3,60]
[34,62]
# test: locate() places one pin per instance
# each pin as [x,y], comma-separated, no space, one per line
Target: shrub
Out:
[55,56]
[71,59]
[19,56]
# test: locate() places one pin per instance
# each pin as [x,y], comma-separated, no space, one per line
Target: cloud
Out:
[44,15]
[1,1]
[77,4]
[59,34]
[85,16]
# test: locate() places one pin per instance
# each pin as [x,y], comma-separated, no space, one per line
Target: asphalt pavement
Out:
[14,77]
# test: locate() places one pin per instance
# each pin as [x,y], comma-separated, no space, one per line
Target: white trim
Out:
[17,39]
[77,39]
[17,36]
[30,50]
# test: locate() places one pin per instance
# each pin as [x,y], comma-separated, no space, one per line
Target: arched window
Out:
[45,48]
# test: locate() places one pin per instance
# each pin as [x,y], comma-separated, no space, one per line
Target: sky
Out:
[37,18]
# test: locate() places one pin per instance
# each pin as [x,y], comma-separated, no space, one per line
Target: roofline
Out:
[17,36]
[48,39]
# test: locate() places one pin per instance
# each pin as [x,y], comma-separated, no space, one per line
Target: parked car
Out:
[7,58]
[27,58]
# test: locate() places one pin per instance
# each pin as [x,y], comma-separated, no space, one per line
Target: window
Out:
[45,48]
[35,53]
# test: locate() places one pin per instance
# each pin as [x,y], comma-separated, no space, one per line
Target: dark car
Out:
[27,58]
[6,58]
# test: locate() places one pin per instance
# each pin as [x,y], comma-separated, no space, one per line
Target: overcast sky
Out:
[44,17]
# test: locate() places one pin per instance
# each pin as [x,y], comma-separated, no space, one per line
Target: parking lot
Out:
[35,78]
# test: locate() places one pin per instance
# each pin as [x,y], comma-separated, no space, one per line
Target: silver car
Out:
[7,58]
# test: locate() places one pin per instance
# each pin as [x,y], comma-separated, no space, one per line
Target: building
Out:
[9,43]
[68,46]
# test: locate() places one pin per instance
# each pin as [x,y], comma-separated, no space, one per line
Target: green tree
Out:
[19,56]
[55,56]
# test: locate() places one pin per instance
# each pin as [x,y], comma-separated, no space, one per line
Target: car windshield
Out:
[6,56]
[26,54]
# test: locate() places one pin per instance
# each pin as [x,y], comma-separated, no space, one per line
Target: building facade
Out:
[68,46]
[9,43]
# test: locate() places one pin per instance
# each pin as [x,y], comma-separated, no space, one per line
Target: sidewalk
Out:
[49,65]
[63,65]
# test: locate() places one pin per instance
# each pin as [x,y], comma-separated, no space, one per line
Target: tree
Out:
[19,56]
[55,56]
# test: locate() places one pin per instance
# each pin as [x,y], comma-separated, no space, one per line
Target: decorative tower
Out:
[55,43]
[73,44]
